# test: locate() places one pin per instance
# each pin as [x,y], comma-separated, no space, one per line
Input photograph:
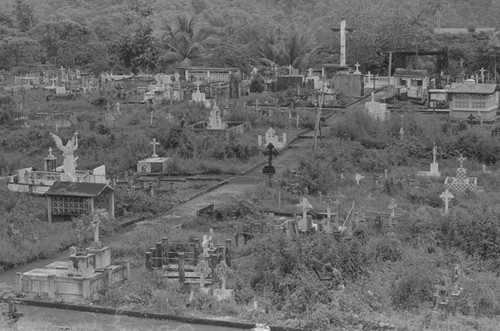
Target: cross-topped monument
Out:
[461,159]
[357,65]
[305,206]
[154,143]
[290,68]
[447,197]
[269,169]
[482,70]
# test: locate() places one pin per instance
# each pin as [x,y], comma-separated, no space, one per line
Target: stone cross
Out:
[305,206]
[401,133]
[270,152]
[461,159]
[447,197]
[202,270]
[154,143]
[392,206]
[177,76]
[482,75]
[50,153]
[309,72]
[222,272]
[211,239]
[357,68]
[290,69]
[358,177]
[328,203]
[198,85]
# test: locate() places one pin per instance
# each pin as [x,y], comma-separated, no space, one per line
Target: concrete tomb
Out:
[377,110]
[272,138]
[461,182]
[434,168]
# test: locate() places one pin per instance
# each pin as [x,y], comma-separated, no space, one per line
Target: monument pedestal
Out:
[102,256]
[434,170]
[81,265]
[223,294]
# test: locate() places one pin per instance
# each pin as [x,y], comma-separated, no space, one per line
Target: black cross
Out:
[271,151]
[471,119]
[269,169]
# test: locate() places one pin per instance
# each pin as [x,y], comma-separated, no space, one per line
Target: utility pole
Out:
[390,68]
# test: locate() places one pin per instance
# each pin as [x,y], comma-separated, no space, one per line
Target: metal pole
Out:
[390,68]
[318,119]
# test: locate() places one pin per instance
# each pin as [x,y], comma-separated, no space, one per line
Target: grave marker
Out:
[358,177]
[446,196]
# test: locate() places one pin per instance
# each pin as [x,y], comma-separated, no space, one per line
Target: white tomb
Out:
[272,138]
[377,110]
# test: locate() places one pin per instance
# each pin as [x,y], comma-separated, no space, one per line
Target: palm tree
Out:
[296,48]
[181,42]
[437,7]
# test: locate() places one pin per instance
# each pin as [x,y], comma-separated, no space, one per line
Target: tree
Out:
[19,51]
[182,42]
[24,14]
[437,8]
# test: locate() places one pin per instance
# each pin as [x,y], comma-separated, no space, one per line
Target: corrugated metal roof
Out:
[410,73]
[78,189]
[472,88]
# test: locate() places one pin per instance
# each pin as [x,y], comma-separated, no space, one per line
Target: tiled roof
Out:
[78,189]
[472,88]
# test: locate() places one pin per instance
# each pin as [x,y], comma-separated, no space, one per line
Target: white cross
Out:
[198,85]
[357,66]
[434,152]
[328,202]
[392,206]
[290,69]
[358,177]
[310,72]
[154,143]
[446,196]
[482,75]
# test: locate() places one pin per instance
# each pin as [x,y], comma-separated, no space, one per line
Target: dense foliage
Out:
[154,36]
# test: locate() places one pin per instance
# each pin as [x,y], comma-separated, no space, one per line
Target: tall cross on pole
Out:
[269,169]
[154,143]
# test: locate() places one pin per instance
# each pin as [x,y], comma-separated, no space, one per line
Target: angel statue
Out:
[69,163]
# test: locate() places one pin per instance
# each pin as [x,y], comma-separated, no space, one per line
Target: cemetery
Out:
[288,165]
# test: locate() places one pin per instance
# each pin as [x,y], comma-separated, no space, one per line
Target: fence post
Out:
[159,254]
[228,252]
[182,275]
[153,257]
[196,249]
[164,244]
[148,260]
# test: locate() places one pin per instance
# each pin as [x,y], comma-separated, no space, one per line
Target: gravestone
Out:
[305,206]
[377,110]
[198,96]
[434,167]
[272,138]
[461,182]
[154,143]
[446,196]
[222,271]
[203,271]
[215,120]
